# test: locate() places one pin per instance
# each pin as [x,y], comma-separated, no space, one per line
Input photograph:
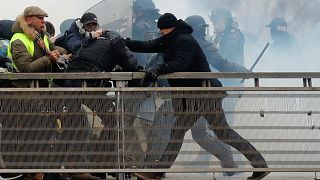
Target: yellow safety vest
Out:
[28,43]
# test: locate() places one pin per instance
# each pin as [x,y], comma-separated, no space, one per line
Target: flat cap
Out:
[34,11]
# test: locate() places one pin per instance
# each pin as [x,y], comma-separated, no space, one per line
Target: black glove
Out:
[118,43]
[151,75]
[10,67]
[127,42]
[117,69]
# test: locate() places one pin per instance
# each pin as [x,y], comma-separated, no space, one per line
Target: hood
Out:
[181,28]
[76,27]
[21,26]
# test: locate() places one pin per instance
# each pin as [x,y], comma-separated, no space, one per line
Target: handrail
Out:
[159,89]
[140,75]
[172,170]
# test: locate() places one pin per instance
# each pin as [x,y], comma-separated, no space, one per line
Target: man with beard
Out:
[182,53]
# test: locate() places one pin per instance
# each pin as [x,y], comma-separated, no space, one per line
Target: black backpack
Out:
[60,40]
[5,29]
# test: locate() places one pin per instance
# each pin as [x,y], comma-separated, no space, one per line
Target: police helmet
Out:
[221,12]
[277,21]
[196,22]
[65,25]
[140,5]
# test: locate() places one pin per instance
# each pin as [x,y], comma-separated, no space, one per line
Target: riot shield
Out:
[115,15]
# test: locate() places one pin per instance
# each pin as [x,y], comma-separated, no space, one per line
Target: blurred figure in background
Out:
[5,29]
[282,40]
[5,36]
[145,25]
[284,53]
[51,31]
[65,25]
[228,38]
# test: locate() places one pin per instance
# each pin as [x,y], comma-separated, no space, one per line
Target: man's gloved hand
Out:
[151,73]
[127,42]
[118,43]
[117,69]
[10,67]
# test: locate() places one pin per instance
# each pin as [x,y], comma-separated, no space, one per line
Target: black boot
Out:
[258,175]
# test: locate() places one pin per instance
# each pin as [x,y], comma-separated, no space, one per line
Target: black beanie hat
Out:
[166,21]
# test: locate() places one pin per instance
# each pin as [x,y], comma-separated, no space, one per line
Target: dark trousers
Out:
[187,112]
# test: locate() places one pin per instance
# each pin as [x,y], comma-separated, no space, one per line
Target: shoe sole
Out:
[260,177]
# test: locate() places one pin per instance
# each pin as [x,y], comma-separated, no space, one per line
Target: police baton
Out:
[258,59]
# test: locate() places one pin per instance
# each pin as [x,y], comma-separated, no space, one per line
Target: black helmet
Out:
[221,12]
[140,5]
[196,22]
[277,21]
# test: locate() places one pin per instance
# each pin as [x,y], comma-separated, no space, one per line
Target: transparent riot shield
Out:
[115,15]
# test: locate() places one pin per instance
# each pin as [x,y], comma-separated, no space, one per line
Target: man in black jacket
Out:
[103,54]
[182,53]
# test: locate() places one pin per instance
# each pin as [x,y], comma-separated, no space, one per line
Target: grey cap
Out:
[34,11]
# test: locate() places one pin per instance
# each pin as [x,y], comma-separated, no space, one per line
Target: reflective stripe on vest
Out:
[28,43]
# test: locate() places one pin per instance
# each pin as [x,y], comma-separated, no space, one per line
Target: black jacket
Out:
[181,53]
[103,54]
[73,40]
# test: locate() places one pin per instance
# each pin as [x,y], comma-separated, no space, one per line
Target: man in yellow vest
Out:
[29,47]
[32,52]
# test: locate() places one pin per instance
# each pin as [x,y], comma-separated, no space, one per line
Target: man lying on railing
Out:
[95,50]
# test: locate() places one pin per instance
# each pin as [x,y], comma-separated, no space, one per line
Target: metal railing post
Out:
[120,127]
[315,176]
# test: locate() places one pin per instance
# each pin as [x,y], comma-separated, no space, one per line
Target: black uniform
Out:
[102,55]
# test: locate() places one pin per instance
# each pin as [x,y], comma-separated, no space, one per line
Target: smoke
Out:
[253,16]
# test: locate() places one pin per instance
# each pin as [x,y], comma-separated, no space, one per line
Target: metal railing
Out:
[106,129]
